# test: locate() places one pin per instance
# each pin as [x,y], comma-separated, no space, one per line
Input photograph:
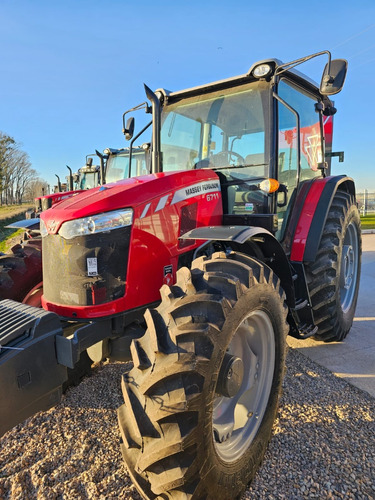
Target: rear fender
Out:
[306,230]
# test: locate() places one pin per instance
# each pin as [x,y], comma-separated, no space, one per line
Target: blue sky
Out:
[69,69]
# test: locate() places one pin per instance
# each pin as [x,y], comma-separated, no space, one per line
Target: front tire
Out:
[333,279]
[181,438]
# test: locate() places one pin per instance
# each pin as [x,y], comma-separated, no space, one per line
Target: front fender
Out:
[254,241]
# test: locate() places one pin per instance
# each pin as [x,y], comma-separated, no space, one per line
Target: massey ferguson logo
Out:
[51,226]
[196,189]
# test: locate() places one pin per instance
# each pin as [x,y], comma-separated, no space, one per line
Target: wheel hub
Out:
[347,266]
[230,376]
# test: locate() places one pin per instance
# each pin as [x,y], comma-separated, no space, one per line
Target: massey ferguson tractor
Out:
[197,272]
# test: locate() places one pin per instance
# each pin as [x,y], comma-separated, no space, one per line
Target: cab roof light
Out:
[262,70]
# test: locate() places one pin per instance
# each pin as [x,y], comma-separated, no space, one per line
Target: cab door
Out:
[300,145]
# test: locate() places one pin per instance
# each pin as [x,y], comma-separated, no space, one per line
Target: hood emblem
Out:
[52,226]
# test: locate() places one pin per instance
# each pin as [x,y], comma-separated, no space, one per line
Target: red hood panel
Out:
[122,194]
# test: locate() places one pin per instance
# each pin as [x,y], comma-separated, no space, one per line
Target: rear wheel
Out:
[202,396]
[21,270]
[333,279]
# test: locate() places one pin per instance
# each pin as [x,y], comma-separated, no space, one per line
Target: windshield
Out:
[223,130]
[220,129]
[118,165]
[88,180]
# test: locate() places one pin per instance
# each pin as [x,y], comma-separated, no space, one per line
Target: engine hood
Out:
[127,193]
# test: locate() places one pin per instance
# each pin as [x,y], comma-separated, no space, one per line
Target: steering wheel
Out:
[223,158]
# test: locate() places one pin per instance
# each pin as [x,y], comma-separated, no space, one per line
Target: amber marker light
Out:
[269,185]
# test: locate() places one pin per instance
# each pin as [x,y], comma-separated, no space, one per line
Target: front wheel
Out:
[202,396]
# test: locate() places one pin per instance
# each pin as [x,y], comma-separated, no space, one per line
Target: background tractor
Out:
[197,272]
[21,268]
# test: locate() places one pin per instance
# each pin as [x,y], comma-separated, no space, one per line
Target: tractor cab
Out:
[88,176]
[264,134]
[120,165]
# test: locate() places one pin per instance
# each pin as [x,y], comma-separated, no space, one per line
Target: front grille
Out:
[86,270]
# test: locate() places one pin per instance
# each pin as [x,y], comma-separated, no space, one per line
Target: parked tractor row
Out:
[237,236]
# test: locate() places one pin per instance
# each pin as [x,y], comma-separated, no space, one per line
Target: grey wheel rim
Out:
[236,420]
[349,267]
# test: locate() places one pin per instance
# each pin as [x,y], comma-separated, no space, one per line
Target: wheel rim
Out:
[349,267]
[236,420]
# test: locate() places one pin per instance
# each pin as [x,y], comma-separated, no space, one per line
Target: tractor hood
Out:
[127,193]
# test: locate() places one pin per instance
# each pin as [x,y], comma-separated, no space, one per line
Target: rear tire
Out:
[333,279]
[21,270]
[181,439]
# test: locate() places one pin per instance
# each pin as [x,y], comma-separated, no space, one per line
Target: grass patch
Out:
[5,244]
[368,221]
[9,211]
[5,232]
[9,215]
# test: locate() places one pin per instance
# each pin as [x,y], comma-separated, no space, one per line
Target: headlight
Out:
[96,223]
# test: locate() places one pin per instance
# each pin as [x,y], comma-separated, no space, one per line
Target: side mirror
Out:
[89,161]
[129,130]
[333,82]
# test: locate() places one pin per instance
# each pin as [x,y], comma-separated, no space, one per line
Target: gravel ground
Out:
[323,445]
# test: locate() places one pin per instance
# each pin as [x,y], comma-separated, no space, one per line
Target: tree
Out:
[16,174]
[37,187]
[7,145]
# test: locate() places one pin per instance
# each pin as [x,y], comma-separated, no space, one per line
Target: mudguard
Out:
[269,249]
[30,377]
[313,203]
[27,224]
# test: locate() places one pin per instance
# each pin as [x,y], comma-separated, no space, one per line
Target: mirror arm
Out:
[287,66]
[143,105]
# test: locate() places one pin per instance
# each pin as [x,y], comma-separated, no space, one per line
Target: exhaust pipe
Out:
[102,171]
[70,178]
[58,183]
[155,152]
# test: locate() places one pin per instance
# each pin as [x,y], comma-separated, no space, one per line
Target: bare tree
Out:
[7,145]
[37,187]
[16,173]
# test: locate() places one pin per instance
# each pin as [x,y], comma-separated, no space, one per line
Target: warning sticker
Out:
[168,275]
[92,266]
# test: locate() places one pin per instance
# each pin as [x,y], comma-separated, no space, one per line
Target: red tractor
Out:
[21,268]
[197,272]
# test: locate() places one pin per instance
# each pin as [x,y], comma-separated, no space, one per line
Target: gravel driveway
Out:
[323,445]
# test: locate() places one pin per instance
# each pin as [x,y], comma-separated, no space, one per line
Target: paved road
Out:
[353,359]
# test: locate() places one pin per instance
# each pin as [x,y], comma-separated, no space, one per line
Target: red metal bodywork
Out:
[57,197]
[161,203]
[306,217]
